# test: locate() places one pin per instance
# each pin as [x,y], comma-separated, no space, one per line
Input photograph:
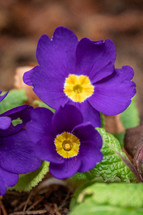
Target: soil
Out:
[47,198]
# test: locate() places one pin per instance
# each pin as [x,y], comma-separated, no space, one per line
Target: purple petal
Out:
[46,150]
[7,179]
[2,97]
[90,155]
[66,118]
[22,112]
[49,86]
[91,143]
[41,122]
[17,154]
[95,59]
[87,133]
[113,94]
[89,113]
[65,170]
[56,58]
[4,122]
[58,53]
[27,76]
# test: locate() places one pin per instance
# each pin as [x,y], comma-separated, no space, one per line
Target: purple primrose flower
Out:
[16,151]
[70,144]
[81,73]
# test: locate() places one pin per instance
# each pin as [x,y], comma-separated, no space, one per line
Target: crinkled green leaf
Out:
[130,117]
[38,103]
[110,199]
[111,168]
[29,180]
[14,99]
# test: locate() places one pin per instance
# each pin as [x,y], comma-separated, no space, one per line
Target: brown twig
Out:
[27,201]
[4,212]
[64,201]
[29,212]
[35,203]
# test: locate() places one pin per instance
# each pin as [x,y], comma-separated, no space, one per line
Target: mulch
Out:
[46,200]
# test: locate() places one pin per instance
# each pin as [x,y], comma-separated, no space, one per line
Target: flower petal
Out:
[57,53]
[3,96]
[66,118]
[87,133]
[90,155]
[113,94]
[4,122]
[89,113]
[95,59]
[91,143]
[49,87]
[45,150]
[7,179]
[22,112]
[65,170]
[27,76]
[41,122]
[17,154]
[56,58]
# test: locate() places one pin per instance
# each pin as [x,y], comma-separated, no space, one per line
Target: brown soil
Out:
[50,200]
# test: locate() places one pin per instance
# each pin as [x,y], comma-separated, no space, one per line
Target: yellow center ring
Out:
[67,145]
[78,88]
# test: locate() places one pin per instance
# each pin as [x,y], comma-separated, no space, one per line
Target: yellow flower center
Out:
[67,145]
[78,88]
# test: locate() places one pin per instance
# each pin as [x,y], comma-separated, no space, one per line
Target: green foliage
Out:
[16,121]
[120,138]
[38,103]
[102,120]
[14,99]
[111,168]
[29,180]
[110,199]
[130,117]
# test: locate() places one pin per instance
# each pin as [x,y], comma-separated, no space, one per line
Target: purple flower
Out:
[70,144]
[16,151]
[3,96]
[81,73]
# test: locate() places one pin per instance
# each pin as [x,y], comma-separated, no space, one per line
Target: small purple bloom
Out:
[16,151]
[81,73]
[70,144]
[3,96]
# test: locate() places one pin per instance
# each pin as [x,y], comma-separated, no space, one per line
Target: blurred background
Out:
[22,22]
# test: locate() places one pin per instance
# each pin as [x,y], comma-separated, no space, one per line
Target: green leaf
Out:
[14,99]
[102,120]
[29,180]
[130,117]
[38,103]
[111,168]
[110,199]
[120,138]
[16,121]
